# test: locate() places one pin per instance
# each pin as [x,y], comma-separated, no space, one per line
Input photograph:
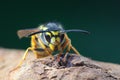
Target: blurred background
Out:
[100,17]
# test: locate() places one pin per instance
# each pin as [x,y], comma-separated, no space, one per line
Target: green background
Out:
[100,17]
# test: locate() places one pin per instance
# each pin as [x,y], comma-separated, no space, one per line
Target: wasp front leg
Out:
[68,43]
[62,58]
[69,48]
[67,52]
[75,50]
[23,58]
[65,45]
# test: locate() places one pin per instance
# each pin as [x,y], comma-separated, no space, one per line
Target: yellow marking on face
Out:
[52,47]
[58,39]
[45,28]
[48,34]
[55,32]
[42,27]
[53,40]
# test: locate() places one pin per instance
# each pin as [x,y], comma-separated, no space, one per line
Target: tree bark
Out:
[73,68]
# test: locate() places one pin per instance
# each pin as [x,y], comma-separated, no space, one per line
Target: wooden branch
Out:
[75,68]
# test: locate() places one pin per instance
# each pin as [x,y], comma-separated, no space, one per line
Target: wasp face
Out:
[52,38]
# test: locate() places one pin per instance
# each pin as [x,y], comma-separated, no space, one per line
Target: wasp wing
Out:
[27,32]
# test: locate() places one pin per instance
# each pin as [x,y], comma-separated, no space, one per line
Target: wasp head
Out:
[53,36]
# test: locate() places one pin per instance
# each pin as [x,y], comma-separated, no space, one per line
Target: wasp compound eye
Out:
[61,37]
[47,37]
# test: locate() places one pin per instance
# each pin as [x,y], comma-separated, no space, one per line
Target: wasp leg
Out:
[68,42]
[71,47]
[68,50]
[58,56]
[23,58]
[25,55]
[75,50]
[68,45]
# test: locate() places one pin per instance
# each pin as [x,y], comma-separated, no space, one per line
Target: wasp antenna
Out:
[77,30]
[36,33]
[43,31]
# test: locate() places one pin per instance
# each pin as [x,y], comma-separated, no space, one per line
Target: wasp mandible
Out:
[47,39]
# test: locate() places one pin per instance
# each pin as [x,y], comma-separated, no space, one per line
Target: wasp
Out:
[47,39]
